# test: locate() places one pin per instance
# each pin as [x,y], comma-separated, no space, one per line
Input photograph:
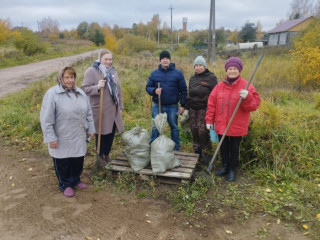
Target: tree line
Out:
[149,34]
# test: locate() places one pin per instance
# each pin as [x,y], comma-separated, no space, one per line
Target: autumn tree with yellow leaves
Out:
[110,39]
[5,30]
[306,55]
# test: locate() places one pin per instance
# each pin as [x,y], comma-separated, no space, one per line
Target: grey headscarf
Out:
[108,75]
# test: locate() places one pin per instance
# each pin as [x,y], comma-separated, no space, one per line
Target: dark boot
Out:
[206,158]
[231,176]
[199,151]
[224,170]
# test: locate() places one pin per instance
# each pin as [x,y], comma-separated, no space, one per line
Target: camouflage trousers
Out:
[200,134]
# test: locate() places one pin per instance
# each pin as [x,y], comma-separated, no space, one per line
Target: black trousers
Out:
[106,142]
[68,171]
[230,151]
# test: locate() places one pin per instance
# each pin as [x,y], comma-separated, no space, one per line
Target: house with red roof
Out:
[283,33]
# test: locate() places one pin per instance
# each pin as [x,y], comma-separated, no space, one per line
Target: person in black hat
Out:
[172,90]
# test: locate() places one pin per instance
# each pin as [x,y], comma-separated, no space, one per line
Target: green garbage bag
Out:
[162,154]
[137,148]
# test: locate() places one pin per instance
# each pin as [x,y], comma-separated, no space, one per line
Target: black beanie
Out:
[164,54]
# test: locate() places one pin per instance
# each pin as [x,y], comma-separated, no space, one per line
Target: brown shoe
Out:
[101,162]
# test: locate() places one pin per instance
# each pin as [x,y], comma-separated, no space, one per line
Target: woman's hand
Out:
[209,126]
[243,93]
[53,144]
[101,84]
[181,110]
[91,135]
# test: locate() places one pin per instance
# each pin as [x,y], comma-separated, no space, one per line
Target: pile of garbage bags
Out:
[160,154]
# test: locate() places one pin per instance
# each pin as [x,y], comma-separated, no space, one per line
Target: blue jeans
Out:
[172,117]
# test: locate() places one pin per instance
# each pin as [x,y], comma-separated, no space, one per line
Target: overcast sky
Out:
[230,14]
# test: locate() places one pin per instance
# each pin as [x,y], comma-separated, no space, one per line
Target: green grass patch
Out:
[10,57]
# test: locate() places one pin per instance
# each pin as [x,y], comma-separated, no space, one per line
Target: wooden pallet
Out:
[177,175]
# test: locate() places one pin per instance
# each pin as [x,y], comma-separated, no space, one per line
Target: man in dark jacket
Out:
[173,89]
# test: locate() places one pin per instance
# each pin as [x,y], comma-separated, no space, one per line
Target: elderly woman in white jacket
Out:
[67,121]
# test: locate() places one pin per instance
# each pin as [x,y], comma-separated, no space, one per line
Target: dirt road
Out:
[14,79]
[32,207]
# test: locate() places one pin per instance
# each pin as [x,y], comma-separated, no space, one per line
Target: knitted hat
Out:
[164,54]
[234,62]
[200,60]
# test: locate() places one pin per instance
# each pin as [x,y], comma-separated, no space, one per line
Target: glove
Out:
[209,126]
[243,93]
[101,84]
[186,113]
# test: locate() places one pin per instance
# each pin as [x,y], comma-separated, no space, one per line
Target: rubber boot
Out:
[199,151]
[231,176]
[206,158]
[224,170]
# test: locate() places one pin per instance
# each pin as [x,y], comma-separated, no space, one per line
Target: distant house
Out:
[283,33]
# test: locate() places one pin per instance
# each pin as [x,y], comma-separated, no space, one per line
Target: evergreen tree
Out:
[248,32]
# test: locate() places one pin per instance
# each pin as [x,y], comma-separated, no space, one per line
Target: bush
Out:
[130,44]
[284,136]
[182,52]
[61,35]
[29,43]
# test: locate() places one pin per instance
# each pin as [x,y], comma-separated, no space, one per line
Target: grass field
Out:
[10,57]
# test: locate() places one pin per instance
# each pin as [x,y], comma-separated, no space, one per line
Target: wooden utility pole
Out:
[212,35]
[171,27]
[158,26]
[209,36]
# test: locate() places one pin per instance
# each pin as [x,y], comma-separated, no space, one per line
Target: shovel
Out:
[159,99]
[234,113]
[100,122]
[161,118]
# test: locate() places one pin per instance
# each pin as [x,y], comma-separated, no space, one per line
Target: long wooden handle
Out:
[159,99]
[100,118]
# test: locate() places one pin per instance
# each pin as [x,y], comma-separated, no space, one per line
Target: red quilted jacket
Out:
[222,102]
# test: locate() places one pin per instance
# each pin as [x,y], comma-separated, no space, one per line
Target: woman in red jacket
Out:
[221,104]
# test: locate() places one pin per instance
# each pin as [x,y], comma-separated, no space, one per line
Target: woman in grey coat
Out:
[112,101]
[66,121]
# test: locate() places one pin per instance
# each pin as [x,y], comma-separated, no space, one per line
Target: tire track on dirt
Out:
[16,78]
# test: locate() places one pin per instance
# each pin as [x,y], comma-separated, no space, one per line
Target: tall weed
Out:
[283,136]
